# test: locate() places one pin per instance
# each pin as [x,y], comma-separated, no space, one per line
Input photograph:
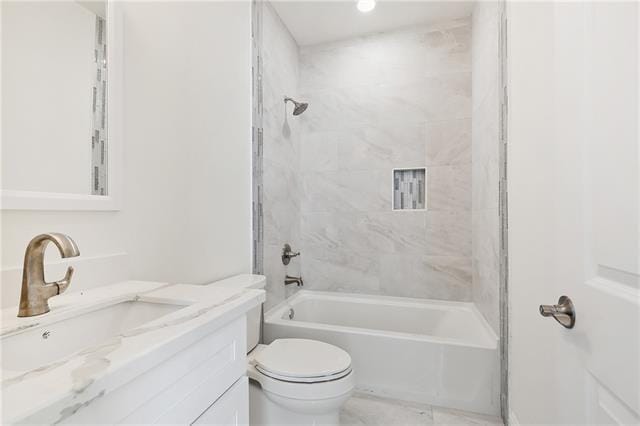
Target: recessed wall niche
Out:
[409,189]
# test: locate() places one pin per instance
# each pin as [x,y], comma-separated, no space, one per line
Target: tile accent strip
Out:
[99,165]
[257,137]
[504,217]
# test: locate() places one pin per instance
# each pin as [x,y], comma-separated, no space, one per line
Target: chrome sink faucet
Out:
[35,290]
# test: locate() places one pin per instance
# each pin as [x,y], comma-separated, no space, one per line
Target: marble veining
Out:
[433,98]
[370,147]
[366,409]
[64,386]
[18,328]
[71,410]
[448,142]
[407,54]
[449,187]
[391,100]
[444,416]
[398,99]
[368,190]
[6,382]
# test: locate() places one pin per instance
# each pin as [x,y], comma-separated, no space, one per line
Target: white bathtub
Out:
[437,352]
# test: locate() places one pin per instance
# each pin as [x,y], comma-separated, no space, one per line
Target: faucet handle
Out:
[55,288]
[64,283]
[288,254]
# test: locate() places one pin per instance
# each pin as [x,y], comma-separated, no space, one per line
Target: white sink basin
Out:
[49,343]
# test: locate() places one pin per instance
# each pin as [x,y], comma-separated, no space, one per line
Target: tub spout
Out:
[293,280]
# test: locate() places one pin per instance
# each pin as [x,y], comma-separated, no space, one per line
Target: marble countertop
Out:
[54,391]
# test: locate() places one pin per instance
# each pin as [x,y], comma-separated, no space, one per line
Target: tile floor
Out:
[365,409]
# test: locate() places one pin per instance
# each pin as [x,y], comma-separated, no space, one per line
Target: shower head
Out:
[298,107]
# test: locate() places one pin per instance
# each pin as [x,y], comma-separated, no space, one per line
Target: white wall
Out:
[187,111]
[47,78]
[186,210]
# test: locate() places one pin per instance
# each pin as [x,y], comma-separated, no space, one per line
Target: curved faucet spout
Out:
[35,290]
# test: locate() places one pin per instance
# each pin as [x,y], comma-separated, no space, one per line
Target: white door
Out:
[573,211]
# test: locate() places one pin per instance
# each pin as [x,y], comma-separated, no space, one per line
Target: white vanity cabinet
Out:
[205,383]
[231,409]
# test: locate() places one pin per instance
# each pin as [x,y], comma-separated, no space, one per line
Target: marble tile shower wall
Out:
[485,155]
[392,100]
[281,144]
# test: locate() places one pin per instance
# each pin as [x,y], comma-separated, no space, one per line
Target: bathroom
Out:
[320,212]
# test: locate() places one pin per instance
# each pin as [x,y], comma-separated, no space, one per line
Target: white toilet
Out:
[293,381]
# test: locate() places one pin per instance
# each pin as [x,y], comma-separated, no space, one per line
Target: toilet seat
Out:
[301,380]
[302,361]
[304,379]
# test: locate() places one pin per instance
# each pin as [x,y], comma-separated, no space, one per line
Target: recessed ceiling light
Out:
[366,5]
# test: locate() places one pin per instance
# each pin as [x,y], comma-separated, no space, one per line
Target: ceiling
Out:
[97,7]
[313,22]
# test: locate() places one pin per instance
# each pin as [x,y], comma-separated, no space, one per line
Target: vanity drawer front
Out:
[231,409]
[178,389]
[185,399]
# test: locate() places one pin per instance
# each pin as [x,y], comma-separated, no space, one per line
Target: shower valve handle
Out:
[288,254]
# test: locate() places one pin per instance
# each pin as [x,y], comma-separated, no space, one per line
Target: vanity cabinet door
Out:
[178,389]
[232,408]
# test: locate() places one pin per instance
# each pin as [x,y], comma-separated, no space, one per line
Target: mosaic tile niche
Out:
[409,189]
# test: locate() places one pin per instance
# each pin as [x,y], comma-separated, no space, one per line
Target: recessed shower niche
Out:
[409,189]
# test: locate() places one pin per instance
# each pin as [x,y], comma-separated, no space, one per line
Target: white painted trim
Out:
[34,200]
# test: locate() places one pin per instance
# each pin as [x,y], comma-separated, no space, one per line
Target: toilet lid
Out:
[302,360]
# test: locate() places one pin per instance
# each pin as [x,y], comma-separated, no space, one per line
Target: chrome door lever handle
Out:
[563,312]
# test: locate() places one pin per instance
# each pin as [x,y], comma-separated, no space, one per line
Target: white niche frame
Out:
[35,200]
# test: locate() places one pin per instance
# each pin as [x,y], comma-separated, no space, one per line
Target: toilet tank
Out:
[248,281]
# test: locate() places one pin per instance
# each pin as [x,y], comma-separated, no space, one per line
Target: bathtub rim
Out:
[276,313]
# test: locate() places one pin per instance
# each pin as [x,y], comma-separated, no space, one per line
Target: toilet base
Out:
[263,410]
